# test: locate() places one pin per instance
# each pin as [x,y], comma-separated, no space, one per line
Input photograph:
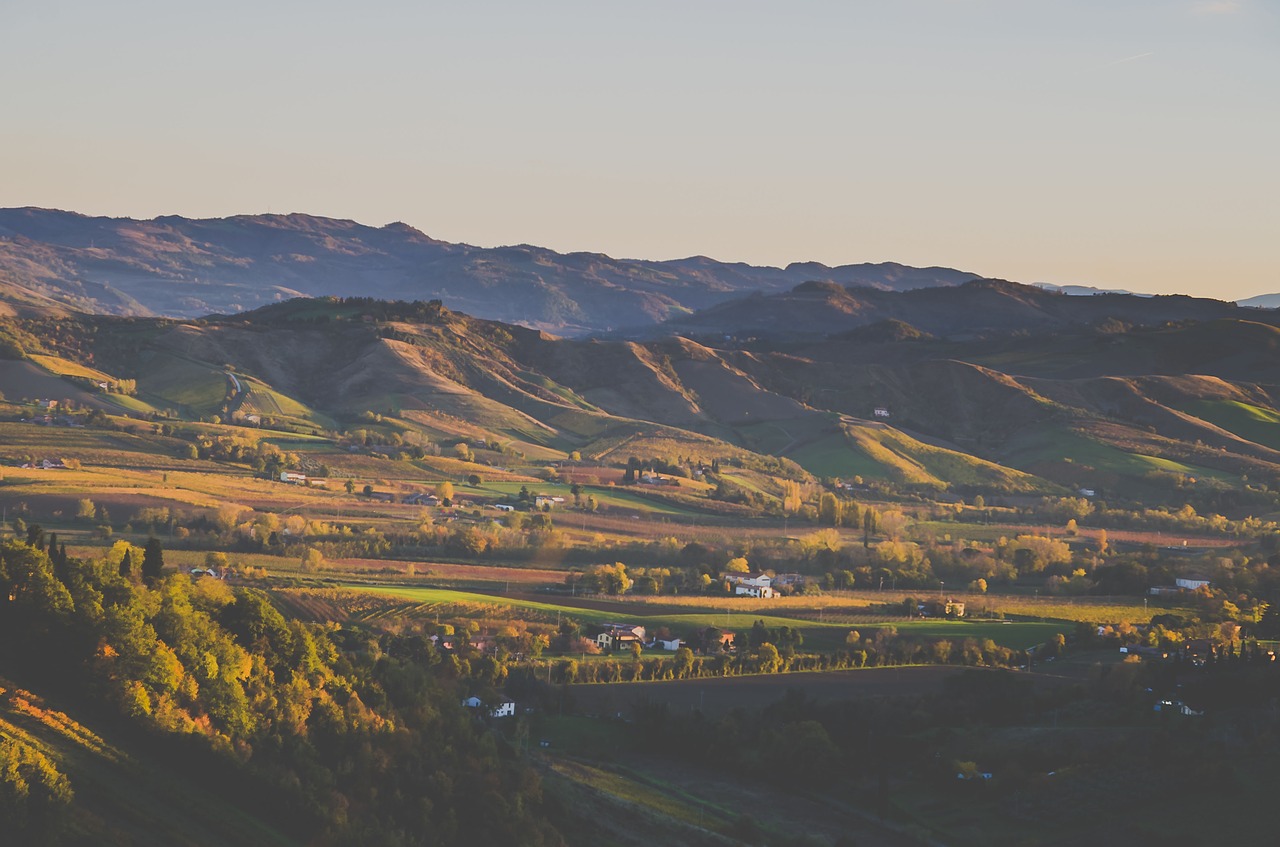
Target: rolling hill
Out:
[1044,397]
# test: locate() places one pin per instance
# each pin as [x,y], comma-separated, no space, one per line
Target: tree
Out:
[892,523]
[1033,553]
[127,565]
[608,579]
[737,565]
[350,485]
[152,561]
[215,561]
[312,560]
[86,510]
[444,490]
[683,662]
[790,496]
[474,479]
[770,660]
[829,509]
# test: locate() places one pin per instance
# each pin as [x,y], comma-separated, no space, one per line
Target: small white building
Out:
[668,644]
[1191,583]
[503,709]
[760,585]
[881,412]
[293,478]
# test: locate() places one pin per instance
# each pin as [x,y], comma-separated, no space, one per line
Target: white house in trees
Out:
[504,708]
[759,585]
[618,636]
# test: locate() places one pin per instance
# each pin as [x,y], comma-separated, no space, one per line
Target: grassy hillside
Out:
[977,413]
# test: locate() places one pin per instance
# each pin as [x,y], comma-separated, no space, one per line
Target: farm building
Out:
[47,465]
[504,708]
[759,585]
[617,636]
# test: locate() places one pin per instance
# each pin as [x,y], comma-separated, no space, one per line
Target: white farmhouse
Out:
[760,585]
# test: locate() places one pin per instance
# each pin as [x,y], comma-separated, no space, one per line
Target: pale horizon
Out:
[1073,144]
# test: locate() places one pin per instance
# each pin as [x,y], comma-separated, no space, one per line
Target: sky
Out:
[1116,144]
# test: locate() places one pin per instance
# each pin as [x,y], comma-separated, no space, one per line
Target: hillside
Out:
[178,267]
[966,311]
[1120,410]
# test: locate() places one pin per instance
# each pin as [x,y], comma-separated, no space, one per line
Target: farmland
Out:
[735,617]
[867,534]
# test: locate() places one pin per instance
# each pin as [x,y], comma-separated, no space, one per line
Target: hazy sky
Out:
[1102,142]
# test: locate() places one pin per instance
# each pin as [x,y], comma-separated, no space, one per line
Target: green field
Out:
[605,495]
[175,381]
[833,455]
[818,635]
[1058,445]
[1256,424]
[268,402]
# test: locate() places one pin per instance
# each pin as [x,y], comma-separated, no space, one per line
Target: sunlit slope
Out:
[122,792]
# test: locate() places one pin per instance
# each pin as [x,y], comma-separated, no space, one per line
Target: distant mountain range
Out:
[1262,301]
[974,309]
[178,267]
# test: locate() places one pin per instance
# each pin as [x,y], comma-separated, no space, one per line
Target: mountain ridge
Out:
[978,306]
[174,266]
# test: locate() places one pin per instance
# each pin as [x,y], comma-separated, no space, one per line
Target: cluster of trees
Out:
[337,736]
[1198,514]
[881,648]
[260,455]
